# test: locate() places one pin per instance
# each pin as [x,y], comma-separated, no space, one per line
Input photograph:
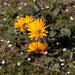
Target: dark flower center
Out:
[25,25]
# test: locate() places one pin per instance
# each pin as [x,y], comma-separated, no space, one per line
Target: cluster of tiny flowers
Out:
[36,28]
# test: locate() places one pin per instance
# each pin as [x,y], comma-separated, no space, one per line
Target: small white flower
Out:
[10,45]
[34,0]
[47,7]
[19,8]
[18,64]
[17,17]
[29,59]
[46,52]
[5,3]
[57,43]
[2,40]
[42,8]
[62,64]
[8,41]
[68,72]
[67,10]
[64,49]
[4,19]
[71,18]
[25,4]
[9,5]
[3,62]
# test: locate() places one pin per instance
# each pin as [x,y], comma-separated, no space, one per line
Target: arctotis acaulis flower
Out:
[23,23]
[37,47]
[37,29]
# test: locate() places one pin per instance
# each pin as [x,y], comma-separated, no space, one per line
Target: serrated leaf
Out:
[55,12]
[65,32]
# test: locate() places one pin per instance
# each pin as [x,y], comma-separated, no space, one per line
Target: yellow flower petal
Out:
[37,47]
[37,29]
[23,23]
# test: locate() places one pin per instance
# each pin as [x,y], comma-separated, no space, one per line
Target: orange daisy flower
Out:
[37,47]
[37,29]
[23,23]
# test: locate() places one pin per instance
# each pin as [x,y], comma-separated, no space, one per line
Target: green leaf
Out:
[5,28]
[10,38]
[52,33]
[71,66]
[71,55]
[33,9]
[65,32]
[56,66]
[55,12]
[10,31]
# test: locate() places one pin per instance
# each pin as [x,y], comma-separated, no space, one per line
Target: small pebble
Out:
[9,5]
[21,3]
[51,27]
[21,52]
[62,60]
[1,24]
[12,48]
[14,65]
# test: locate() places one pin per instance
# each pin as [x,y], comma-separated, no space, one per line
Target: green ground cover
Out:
[60,56]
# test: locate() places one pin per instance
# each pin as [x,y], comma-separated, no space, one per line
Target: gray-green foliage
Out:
[61,35]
